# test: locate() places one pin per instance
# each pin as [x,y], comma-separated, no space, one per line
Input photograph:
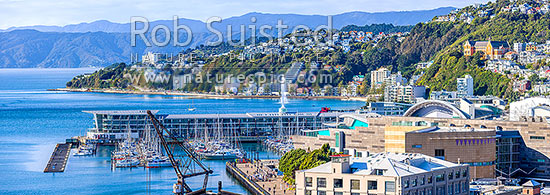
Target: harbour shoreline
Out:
[208,96]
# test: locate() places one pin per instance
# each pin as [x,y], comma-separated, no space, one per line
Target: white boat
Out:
[157,162]
[191,108]
[84,150]
[80,152]
[219,155]
[132,162]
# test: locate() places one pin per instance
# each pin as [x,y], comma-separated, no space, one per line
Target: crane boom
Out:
[192,156]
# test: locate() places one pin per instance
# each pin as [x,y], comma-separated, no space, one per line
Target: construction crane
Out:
[189,159]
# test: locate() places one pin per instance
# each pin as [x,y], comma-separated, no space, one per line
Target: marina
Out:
[50,117]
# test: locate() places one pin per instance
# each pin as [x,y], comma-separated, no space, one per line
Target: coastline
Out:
[207,96]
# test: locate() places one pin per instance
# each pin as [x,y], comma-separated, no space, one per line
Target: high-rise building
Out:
[403,93]
[377,77]
[465,86]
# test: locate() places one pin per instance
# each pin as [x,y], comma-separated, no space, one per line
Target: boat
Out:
[220,155]
[84,150]
[131,162]
[191,108]
[83,153]
[157,162]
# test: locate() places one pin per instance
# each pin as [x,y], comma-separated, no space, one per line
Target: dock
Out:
[259,177]
[59,158]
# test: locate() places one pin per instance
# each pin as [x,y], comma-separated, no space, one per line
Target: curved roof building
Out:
[435,109]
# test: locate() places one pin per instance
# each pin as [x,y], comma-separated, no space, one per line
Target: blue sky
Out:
[63,12]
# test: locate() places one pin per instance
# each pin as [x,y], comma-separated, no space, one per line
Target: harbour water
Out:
[33,120]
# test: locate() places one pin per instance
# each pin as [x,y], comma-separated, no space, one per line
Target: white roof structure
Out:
[391,164]
[435,109]
[525,107]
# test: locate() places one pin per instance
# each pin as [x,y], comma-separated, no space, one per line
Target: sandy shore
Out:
[203,95]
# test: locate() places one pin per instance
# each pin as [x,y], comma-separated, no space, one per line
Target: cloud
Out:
[63,12]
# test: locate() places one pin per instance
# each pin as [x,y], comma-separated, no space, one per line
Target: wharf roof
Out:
[215,116]
[120,112]
[254,115]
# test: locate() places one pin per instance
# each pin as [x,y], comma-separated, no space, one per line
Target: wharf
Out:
[59,158]
[260,177]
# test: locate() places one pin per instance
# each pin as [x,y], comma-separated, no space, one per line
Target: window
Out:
[321,193]
[450,175]
[355,184]
[457,174]
[450,191]
[457,188]
[308,192]
[338,193]
[429,191]
[373,185]
[378,172]
[440,190]
[406,184]
[430,179]
[355,193]
[338,183]
[417,146]
[414,182]
[321,182]
[465,187]
[537,137]
[439,153]
[390,186]
[439,178]
[422,181]
[309,182]
[464,173]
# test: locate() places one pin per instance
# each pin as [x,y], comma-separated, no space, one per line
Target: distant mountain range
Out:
[103,42]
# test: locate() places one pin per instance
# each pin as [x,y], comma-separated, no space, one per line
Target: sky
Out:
[63,12]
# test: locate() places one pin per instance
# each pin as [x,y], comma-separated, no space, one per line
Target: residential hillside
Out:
[434,54]
[493,23]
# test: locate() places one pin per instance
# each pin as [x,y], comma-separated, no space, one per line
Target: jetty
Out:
[259,177]
[59,158]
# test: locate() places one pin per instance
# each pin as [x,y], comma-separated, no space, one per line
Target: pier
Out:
[59,158]
[259,177]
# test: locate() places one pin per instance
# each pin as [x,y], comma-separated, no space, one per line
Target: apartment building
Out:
[384,173]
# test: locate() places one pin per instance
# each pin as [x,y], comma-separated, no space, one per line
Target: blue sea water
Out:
[33,120]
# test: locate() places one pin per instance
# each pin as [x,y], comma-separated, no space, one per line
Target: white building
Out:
[525,108]
[377,77]
[149,58]
[395,79]
[403,93]
[384,173]
[465,86]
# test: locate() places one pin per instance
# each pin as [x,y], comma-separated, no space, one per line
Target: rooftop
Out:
[214,116]
[390,164]
[436,129]
[120,112]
